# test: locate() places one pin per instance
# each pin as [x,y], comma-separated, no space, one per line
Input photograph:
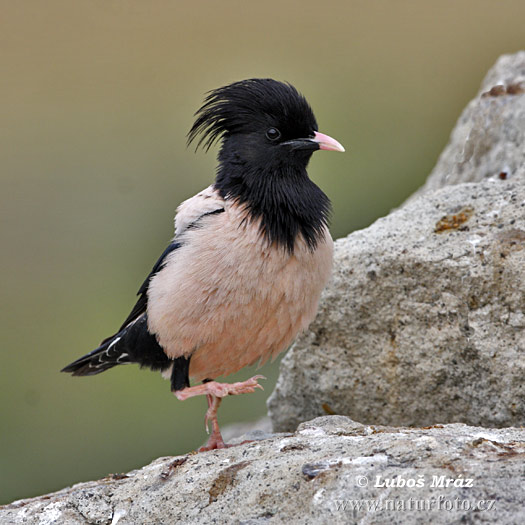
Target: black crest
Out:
[235,108]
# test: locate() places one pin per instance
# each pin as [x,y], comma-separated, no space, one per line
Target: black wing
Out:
[142,303]
[133,343]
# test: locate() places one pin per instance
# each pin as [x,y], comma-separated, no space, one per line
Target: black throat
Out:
[285,200]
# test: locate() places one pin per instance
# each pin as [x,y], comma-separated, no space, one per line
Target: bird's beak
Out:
[327,143]
[318,141]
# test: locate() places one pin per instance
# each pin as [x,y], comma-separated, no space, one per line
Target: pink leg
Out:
[215,440]
[214,393]
[220,389]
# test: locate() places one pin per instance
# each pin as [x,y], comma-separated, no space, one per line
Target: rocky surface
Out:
[489,137]
[423,321]
[331,470]
[258,429]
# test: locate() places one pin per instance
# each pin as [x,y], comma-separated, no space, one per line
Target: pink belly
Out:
[239,301]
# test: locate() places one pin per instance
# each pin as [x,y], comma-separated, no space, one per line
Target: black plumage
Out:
[142,303]
[133,344]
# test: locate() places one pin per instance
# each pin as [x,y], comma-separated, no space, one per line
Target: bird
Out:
[251,254]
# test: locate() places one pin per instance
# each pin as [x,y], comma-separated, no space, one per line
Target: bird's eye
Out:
[273,134]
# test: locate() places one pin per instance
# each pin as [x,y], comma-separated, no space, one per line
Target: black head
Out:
[268,133]
[261,122]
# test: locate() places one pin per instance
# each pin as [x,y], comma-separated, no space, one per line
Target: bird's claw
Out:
[244,387]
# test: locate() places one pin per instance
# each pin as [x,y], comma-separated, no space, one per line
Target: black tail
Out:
[106,356]
[133,344]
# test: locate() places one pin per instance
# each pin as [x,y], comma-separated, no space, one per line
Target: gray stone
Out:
[423,321]
[489,137]
[254,430]
[332,470]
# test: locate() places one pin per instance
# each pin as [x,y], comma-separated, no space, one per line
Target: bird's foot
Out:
[220,389]
[215,442]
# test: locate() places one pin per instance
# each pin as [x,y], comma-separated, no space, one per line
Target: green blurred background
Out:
[96,99]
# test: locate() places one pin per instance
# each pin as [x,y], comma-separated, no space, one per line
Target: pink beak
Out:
[327,143]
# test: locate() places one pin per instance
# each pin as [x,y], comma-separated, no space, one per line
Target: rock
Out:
[332,470]
[423,321]
[254,430]
[489,137]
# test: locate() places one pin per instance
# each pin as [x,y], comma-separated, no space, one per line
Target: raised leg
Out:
[214,393]
[220,389]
